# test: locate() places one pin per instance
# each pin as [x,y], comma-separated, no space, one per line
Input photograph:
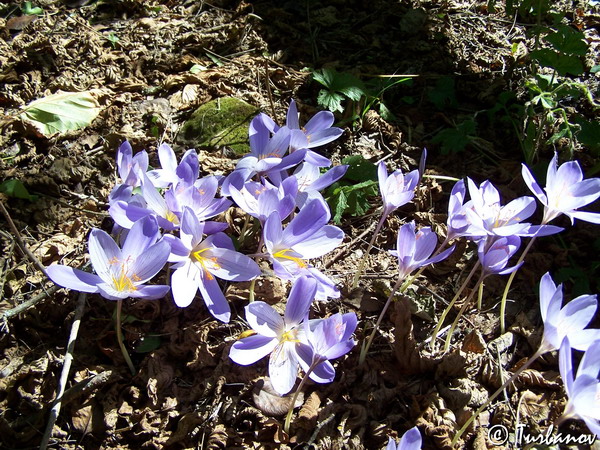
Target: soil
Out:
[136,57]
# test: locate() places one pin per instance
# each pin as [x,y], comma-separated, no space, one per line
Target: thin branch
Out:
[20,242]
[64,375]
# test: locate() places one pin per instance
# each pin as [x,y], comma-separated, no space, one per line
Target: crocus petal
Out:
[322,241]
[104,253]
[215,300]
[300,298]
[142,235]
[75,279]
[251,349]
[550,297]
[321,121]
[565,365]
[126,214]
[151,261]
[329,177]
[292,116]
[233,266]
[322,137]
[326,288]
[263,319]
[150,292]
[184,284]
[272,232]
[533,185]
[283,368]
[586,216]
[167,158]
[308,221]
[323,373]
[411,440]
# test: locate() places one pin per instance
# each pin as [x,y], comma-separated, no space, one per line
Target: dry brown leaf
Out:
[405,347]
[269,401]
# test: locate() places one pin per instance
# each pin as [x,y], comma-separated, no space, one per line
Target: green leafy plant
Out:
[454,140]
[351,195]
[342,88]
[30,10]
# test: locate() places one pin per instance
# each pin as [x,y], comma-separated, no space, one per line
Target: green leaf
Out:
[564,64]
[31,10]
[196,68]
[455,140]
[567,40]
[61,112]
[16,189]
[330,100]
[148,343]
[359,169]
[589,134]
[443,95]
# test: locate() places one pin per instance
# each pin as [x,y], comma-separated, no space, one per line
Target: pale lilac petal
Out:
[299,300]
[298,139]
[251,349]
[213,297]
[233,266]
[411,440]
[167,158]
[184,284]
[126,214]
[272,232]
[322,137]
[124,159]
[151,261]
[75,279]
[326,288]
[264,319]
[533,185]
[518,210]
[321,242]
[104,253]
[292,116]
[568,173]
[142,235]
[308,221]
[550,297]
[323,373]
[391,445]
[329,177]
[425,244]
[340,349]
[315,158]
[321,121]
[583,339]
[586,216]
[565,365]
[150,292]
[283,368]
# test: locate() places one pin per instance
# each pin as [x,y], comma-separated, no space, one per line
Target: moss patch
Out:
[220,122]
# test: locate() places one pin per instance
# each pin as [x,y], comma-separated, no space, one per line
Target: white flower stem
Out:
[288,417]
[450,305]
[120,338]
[476,288]
[509,283]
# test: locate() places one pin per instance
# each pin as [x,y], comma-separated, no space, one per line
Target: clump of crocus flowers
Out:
[169,215]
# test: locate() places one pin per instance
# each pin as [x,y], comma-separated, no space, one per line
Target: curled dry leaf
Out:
[407,353]
[269,401]
[218,438]
[307,417]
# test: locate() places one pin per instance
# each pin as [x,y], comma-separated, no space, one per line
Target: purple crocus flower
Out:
[261,199]
[317,131]
[566,191]
[487,216]
[306,236]
[276,335]
[414,249]
[396,188]
[583,390]
[411,440]
[120,273]
[568,321]
[457,218]
[494,254]
[199,262]
[328,339]
[311,181]
[171,173]
[131,167]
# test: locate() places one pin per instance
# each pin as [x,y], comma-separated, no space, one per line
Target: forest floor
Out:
[136,56]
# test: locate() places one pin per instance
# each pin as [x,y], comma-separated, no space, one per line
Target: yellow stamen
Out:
[203,261]
[283,255]
[125,283]
[171,217]
[246,333]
